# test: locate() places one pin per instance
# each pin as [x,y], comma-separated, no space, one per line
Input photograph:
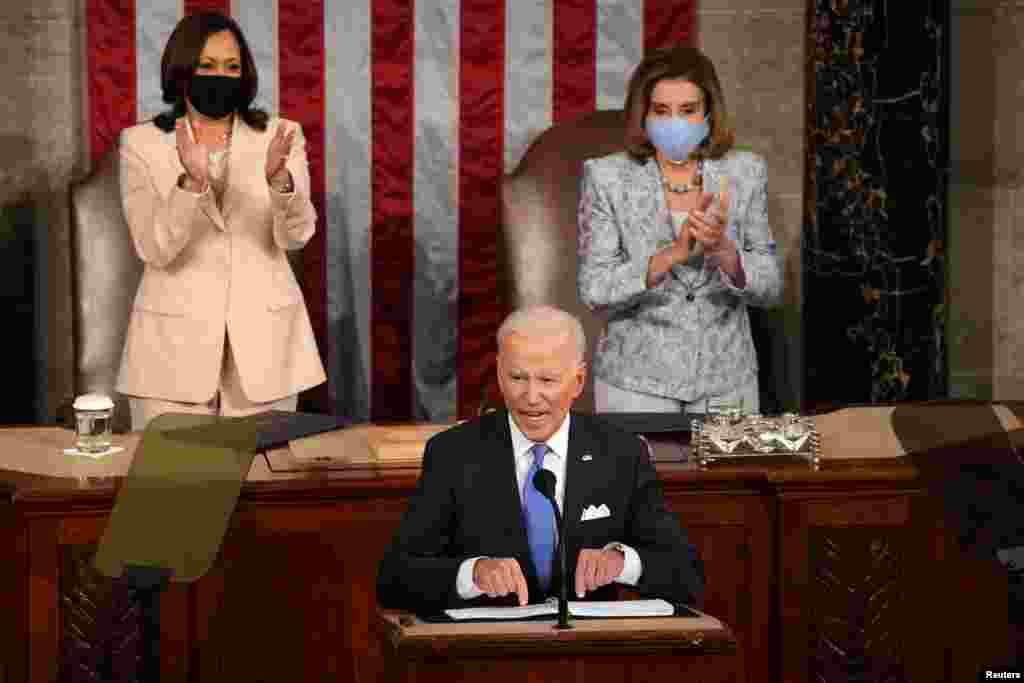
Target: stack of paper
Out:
[608,609]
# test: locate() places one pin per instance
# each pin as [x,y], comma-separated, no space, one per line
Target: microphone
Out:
[544,481]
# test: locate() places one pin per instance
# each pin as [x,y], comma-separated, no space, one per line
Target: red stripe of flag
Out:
[301,88]
[481,165]
[110,51]
[574,79]
[392,255]
[669,22]
[194,6]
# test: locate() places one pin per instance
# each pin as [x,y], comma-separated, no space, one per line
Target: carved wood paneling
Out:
[287,592]
[848,563]
[857,606]
[732,539]
[100,622]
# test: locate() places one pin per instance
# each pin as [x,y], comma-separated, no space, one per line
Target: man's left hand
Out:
[596,568]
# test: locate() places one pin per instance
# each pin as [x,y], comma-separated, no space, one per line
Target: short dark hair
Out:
[181,56]
[688,64]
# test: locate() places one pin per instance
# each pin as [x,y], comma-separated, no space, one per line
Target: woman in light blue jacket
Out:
[674,244]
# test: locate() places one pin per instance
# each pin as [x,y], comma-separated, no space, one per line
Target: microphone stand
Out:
[544,481]
[563,589]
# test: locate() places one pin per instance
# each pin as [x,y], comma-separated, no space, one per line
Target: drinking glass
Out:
[93,413]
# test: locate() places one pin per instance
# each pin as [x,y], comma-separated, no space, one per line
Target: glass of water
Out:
[93,415]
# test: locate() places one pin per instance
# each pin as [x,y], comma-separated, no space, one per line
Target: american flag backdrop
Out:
[412,112]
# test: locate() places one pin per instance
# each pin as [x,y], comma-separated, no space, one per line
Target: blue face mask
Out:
[674,136]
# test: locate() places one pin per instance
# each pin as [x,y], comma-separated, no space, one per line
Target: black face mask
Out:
[215,96]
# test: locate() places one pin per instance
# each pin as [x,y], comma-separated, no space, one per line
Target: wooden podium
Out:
[594,650]
[817,572]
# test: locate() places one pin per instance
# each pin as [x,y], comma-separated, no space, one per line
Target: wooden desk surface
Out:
[35,470]
[857,445]
[302,550]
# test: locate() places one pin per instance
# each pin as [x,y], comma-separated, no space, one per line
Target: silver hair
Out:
[547,319]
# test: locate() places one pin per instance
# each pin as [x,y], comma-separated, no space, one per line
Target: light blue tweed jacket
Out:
[656,341]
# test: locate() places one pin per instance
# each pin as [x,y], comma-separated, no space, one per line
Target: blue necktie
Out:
[540,520]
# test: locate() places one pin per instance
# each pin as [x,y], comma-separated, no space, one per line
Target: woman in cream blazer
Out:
[219,324]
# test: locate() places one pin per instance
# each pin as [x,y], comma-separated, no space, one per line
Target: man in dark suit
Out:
[475,527]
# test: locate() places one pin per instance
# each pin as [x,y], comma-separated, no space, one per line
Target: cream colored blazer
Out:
[211,269]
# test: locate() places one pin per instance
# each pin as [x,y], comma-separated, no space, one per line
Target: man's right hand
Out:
[498,577]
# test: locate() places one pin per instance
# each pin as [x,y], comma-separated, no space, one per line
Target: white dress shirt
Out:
[554,461]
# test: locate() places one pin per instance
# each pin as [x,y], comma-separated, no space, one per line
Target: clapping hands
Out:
[708,222]
[277,153]
[193,156]
[705,226]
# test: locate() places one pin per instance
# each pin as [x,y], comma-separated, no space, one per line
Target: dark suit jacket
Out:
[467,504]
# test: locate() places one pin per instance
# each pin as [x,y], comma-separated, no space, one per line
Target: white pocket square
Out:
[595,512]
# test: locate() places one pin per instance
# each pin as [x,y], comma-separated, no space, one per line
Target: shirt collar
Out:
[558,443]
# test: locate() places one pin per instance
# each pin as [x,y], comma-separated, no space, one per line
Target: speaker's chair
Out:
[539,201]
[106,274]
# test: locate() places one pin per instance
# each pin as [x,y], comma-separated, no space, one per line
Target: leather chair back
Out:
[539,203]
[106,276]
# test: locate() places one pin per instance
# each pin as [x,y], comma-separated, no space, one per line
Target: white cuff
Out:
[632,568]
[464,585]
